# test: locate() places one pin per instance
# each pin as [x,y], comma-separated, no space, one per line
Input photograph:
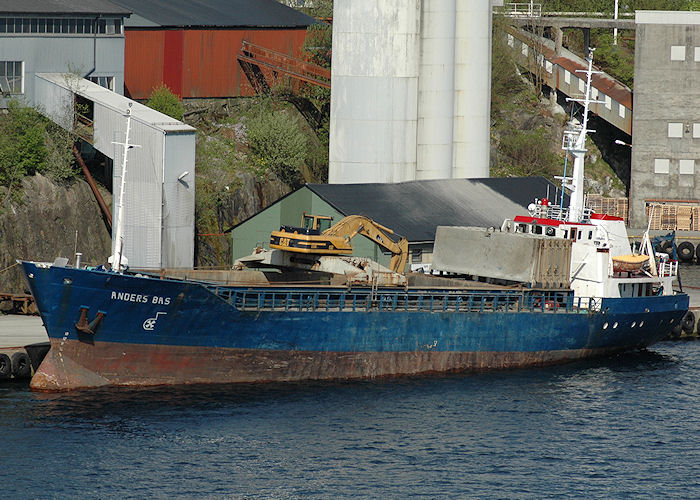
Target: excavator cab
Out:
[316,222]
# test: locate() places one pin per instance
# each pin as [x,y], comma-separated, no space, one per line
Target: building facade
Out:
[85,39]
[666,124]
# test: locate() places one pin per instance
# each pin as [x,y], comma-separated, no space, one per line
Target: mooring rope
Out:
[9,267]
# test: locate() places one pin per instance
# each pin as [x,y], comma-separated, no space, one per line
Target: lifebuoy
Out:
[688,322]
[5,366]
[21,367]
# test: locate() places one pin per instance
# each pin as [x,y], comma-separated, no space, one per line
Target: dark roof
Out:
[414,209]
[49,7]
[214,14]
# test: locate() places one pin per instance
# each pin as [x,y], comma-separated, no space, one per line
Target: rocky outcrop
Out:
[49,221]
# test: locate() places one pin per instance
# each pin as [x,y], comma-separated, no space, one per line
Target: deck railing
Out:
[433,302]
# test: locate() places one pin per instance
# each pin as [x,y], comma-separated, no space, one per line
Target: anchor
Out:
[83,326]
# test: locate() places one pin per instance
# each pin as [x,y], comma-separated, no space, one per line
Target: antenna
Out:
[117,260]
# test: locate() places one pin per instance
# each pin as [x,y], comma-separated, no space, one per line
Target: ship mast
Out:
[117,260]
[575,142]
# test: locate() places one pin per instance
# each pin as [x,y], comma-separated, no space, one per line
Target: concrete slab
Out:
[19,331]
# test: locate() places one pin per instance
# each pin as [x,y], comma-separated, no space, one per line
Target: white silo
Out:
[374,91]
[410,90]
[472,100]
[436,89]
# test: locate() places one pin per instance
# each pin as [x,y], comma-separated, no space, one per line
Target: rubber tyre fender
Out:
[688,322]
[21,366]
[676,332]
[667,247]
[686,251]
[697,253]
[5,366]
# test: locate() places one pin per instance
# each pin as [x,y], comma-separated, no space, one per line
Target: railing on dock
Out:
[396,301]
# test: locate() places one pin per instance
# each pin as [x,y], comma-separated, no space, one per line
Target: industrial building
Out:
[192,46]
[410,93]
[411,209]
[52,36]
[666,123]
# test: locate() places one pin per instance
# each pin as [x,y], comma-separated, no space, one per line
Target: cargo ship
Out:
[551,286]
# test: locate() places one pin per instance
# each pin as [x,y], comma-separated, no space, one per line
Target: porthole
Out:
[615,325]
[671,322]
[641,324]
[605,326]
[634,323]
[67,281]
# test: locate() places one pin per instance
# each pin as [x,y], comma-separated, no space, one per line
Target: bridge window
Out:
[697,54]
[567,77]
[661,165]
[11,81]
[511,40]
[696,130]
[677,52]
[548,66]
[581,85]
[594,93]
[523,49]
[675,129]
[608,102]
[687,167]
[621,111]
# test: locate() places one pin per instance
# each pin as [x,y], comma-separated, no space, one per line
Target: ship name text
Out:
[137,297]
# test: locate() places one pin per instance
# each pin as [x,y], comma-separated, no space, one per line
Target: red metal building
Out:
[192,45]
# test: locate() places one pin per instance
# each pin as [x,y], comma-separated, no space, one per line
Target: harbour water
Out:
[625,426]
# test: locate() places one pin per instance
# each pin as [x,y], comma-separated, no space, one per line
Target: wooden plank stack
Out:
[617,207]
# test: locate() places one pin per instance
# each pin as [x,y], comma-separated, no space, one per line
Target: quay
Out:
[23,345]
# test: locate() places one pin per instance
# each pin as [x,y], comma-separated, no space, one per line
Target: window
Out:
[621,111]
[686,167]
[696,130]
[11,77]
[567,77]
[675,129]
[677,52]
[594,93]
[548,66]
[661,165]
[511,40]
[581,85]
[523,49]
[80,26]
[697,54]
[103,81]
[417,256]
[608,102]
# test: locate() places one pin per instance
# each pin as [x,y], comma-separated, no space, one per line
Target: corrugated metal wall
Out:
[197,63]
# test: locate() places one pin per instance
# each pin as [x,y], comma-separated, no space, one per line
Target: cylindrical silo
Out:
[436,90]
[374,88]
[472,97]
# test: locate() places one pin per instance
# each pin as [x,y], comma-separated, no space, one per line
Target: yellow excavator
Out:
[335,240]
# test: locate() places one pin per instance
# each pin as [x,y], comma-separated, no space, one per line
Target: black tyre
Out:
[676,332]
[667,247]
[697,253]
[21,367]
[5,366]
[688,322]
[686,251]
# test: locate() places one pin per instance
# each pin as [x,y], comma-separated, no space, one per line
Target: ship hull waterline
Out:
[156,332]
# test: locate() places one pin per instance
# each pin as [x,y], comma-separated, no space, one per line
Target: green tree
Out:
[276,143]
[164,100]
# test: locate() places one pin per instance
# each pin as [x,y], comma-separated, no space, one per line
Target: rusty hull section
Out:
[73,365]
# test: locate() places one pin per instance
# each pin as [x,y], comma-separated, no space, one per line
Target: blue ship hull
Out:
[118,329]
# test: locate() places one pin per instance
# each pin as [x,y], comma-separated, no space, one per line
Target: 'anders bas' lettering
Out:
[137,297]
